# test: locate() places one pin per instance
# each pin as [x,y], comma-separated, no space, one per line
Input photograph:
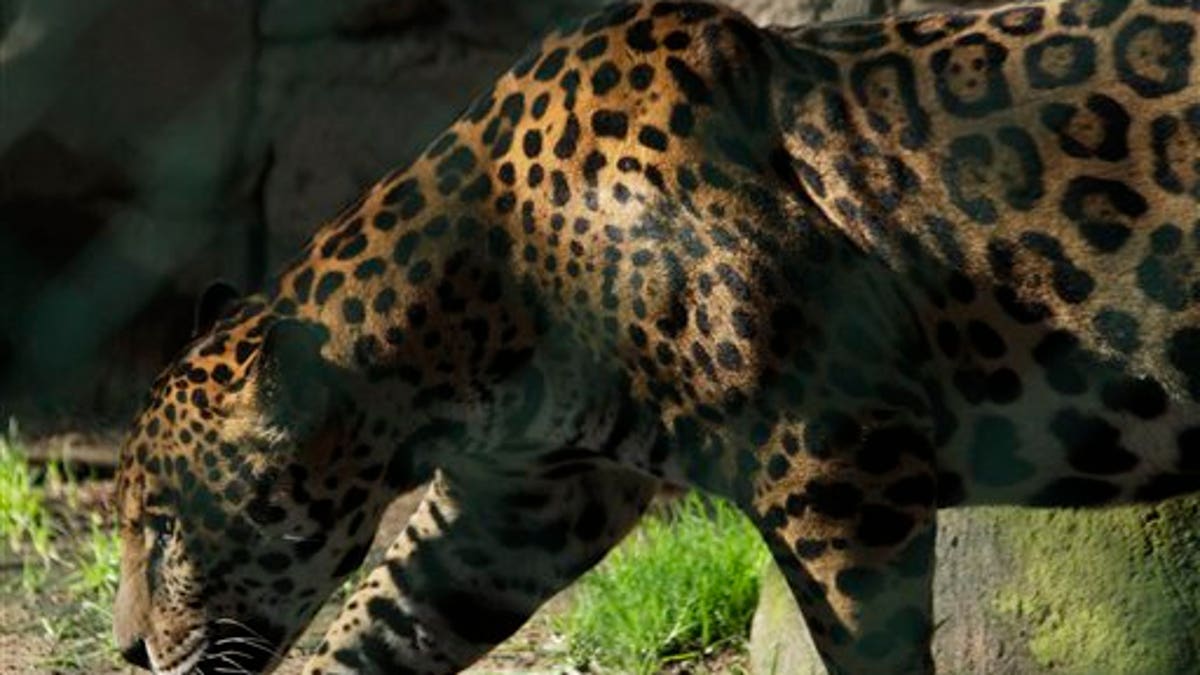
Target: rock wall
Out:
[149,147]
[119,140]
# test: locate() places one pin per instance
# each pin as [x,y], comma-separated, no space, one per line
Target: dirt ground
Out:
[25,645]
[26,648]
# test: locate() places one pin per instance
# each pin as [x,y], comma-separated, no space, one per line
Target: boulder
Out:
[1023,591]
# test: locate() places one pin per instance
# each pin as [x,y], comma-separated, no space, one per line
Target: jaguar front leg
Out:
[850,518]
[478,557]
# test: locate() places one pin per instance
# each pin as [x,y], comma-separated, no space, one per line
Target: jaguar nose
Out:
[136,654]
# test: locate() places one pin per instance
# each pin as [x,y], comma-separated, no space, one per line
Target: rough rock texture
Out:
[119,139]
[800,12]
[147,148]
[1022,591]
[346,95]
[779,642]
[773,12]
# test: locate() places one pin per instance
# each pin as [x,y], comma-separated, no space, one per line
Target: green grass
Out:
[68,562]
[26,527]
[683,586]
[82,632]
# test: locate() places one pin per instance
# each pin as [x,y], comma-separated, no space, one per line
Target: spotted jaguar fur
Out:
[842,275]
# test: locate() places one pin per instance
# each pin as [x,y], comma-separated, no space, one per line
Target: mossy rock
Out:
[1113,591]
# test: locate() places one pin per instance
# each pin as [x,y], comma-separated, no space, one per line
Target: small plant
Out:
[68,565]
[82,632]
[683,586]
[97,568]
[25,523]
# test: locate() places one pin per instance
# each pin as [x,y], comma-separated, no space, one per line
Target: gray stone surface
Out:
[120,151]
[802,12]
[779,642]
[347,94]
[176,142]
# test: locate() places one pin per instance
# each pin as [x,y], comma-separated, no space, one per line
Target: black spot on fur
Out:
[838,500]
[689,82]
[1105,233]
[1075,492]
[610,123]
[1092,444]
[567,142]
[551,65]
[329,283]
[1117,329]
[640,36]
[652,137]
[883,526]
[1142,397]
[1064,363]
[606,77]
[1183,351]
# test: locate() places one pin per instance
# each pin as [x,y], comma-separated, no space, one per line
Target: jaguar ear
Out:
[215,302]
[296,384]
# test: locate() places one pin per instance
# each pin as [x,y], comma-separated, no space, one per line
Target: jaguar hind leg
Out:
[478,557]
[853,532]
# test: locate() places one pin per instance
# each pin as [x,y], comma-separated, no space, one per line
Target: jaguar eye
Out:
[159,530]
[162,527]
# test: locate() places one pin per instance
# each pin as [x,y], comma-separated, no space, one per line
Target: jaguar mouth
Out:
[238,647]
[183,666]
[225,646]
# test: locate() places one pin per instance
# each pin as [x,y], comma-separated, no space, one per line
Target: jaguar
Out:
[842,275]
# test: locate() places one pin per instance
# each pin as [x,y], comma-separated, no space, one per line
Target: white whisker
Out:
[255,643]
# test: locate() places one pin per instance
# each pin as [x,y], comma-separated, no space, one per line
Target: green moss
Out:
[1106,591]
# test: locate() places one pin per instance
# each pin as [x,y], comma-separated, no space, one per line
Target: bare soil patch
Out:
[26,646]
